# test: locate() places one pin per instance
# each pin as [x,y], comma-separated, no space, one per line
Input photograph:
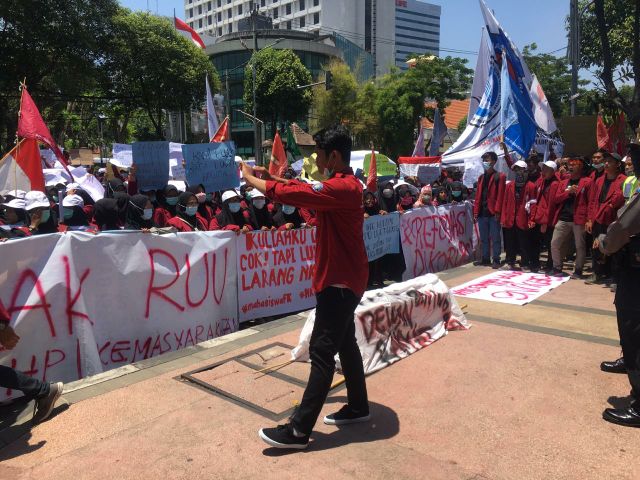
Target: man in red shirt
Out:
[339,281]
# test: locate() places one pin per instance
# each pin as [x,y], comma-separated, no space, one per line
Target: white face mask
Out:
[288,209]
[234,207]
[387,193]
[259,203]
[147,214]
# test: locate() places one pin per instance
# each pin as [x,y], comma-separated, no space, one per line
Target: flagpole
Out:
[23,84]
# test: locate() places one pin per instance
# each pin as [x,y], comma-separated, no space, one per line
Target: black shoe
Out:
[616,366]
[345,416]
[577,275]
[595,280]
[485,262]
[628,417]
[495,265]
[282,437]
[44,406]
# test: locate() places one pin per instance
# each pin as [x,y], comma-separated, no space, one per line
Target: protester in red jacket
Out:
[519,197]
[568,213]
[186,219]
[486,209]
[546,186]
[605,200]
[597,162]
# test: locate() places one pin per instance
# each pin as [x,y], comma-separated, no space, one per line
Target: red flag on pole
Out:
[617,139]
[602,132]
[222,134]
[278,164]
[188,32]
[21,168]
[31,125]
[372,178]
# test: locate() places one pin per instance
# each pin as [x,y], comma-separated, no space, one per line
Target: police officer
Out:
[623,237]
[340,279]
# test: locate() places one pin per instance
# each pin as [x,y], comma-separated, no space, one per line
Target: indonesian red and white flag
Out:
[21,168]
[222,134]
[278,164]
[188,32]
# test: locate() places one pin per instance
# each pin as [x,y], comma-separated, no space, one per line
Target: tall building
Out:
[390,30]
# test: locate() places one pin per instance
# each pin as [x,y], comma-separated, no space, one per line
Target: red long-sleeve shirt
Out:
[341,258]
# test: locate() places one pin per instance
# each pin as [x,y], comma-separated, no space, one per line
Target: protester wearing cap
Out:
[568,213]
[14,213]
[41,219]
[231,217]
[516,219]
[258,212]
[543,230]
[186,218]
[486,210]
[74,217]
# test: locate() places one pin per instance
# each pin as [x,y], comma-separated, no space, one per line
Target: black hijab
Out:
[260,217]
[105,214]
[134,221]
[281,218]
[112,185]
[122,203]
[387,204]
[373,210]
[78,219]
[161,197]
[226,217]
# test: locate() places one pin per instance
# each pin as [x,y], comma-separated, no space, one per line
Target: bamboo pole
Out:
[275,367]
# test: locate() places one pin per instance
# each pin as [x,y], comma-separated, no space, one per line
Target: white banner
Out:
[275,269]
[122,154]
[86,304]
[515,288]
[437,238]
[396,321]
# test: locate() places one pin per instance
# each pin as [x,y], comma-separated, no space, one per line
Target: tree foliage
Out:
[337,105]
[278,74]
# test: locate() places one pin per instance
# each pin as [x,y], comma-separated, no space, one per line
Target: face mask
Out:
[599,166]
[486,165]
[456,193]
[68,213]
[147,214]
[172,201]
[426,199]
[45,216]
[259,203]
[406,201]
[288,209]
[201,197]
[190,211]
[234,207]
[387,193]
[55,198]
[208,197]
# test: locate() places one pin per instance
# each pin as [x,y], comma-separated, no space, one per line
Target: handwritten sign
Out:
[122,153]
[515,288]
[384,165]
[212,165]
[152,160]
[381,235]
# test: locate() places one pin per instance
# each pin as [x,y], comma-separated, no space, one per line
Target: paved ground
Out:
[519,396]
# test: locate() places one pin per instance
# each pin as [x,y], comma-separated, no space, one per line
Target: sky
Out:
[542,22]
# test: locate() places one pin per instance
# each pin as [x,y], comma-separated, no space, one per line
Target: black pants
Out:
[517,241]
[601,262]
[629,330]
[29,386]
[333,332]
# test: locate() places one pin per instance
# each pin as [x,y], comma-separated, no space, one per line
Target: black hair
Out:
[490,156]
[335,137]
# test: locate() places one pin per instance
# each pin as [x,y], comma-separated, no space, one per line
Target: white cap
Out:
[519,163]
[229,194]
[102,170]
[16,193]
[74,186]
[255,193]
[36,199]
[17,203]
[402,183]
[73,201]
[551,164]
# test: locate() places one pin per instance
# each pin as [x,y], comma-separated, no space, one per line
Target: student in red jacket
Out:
[518,199]
[597,163]
[545,189]
[486,209]
[605,200]
[186,219]
[232,217]
[568,213]
[166,209]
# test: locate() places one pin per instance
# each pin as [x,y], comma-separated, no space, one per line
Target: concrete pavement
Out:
[520,396]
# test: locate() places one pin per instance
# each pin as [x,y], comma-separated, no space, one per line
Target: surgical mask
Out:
[172,201]
[208,197]
[387,193]
[190,211]
[426,198]
[599,166]
[201,197]
[288,209]
[456,193]
[259,203]
[234,207]
[486,165]
[406,201]
[44,218]
[147,214]
[67,212]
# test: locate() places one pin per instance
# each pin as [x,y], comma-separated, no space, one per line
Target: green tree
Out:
[338,104]
[610,44]
[149,66]
[278,73]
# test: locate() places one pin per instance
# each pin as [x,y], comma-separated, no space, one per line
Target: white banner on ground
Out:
[437,238]
[275,269]
[396,321]
[86,304]
[381,235]
[516,288]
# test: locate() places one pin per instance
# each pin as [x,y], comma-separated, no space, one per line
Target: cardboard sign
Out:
[212,165]
[152,160]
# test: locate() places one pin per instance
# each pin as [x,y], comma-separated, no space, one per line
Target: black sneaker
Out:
[282,437]
[44,405]
[485,262]
[345,416]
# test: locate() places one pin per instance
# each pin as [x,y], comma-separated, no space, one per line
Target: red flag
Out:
[21,168]
[188,32]
[616,135]
[604,141]
[278,164]
[31,125]
[372,178]
[222,134]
